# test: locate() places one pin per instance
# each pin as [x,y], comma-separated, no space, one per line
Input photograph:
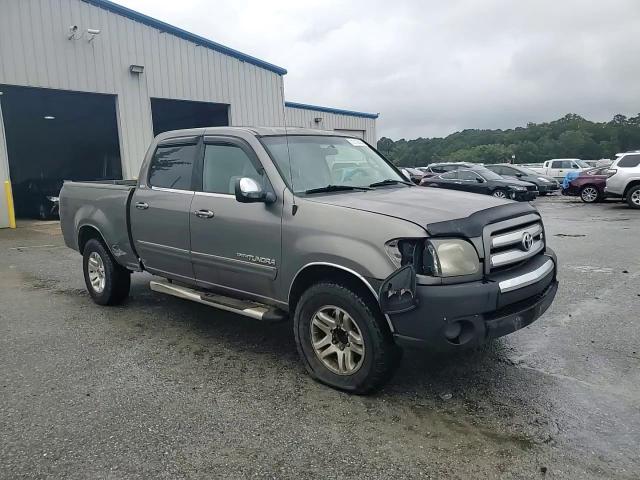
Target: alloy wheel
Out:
[589,194]
[499,194]
[337,340]
[635,198]
[95,267]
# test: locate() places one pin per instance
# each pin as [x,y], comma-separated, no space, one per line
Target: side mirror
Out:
[249,191]
[519,175]
[479,180]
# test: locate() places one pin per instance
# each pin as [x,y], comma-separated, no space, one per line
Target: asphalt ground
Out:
[163,388]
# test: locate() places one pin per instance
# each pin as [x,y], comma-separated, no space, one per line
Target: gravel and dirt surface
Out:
[163,388]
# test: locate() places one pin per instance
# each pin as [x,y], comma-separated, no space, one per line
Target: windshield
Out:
[526,171]
[318,161]
[487,174]
[583,164]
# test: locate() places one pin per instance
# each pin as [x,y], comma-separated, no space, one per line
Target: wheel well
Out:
[630,186]
[318,273]
[87,233]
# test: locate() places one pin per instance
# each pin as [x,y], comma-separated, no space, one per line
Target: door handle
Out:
[203,213]
[142,206]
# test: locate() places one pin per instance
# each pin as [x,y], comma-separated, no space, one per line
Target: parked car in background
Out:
[559,167]
[624,179]
[544,183]
[438,168]
[413,174]
[482,180]
[588,185]
[37,198]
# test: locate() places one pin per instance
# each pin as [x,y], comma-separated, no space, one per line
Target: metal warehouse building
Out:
[86,84]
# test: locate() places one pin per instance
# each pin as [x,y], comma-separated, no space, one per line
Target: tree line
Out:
[568,137]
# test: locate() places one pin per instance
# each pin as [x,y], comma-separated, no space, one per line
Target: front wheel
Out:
[343,340]
[633,197]
[107,282]
[499,193]
[589,194]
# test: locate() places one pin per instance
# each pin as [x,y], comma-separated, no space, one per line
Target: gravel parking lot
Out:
[163,388]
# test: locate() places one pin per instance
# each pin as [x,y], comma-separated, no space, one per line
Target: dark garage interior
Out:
[177,114]
[55,135]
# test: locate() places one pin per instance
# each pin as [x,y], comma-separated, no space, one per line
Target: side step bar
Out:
[255,310]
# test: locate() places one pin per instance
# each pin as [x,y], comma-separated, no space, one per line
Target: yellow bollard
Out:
[10,210]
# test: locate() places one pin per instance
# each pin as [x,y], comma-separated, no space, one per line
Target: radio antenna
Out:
[294,207]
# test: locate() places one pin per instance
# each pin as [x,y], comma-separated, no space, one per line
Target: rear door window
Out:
[629,161]
[450,175]
[172,167]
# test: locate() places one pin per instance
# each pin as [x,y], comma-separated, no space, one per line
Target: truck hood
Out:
[420,205]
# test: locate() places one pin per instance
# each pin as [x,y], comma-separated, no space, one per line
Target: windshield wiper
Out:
[390,181]
[335,188]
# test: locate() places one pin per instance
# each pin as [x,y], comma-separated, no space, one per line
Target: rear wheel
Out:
[343,340]
[107,282]
[589,194]
[499,193]
[633,197]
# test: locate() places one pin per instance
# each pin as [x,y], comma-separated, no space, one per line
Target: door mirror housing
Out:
[519,175]
[479,180]
[249,191]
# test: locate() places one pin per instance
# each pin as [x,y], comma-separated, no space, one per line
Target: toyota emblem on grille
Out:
[527,241]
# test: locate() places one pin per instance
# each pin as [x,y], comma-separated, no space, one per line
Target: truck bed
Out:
[104,207]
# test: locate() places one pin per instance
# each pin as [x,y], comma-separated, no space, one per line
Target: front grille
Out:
[532,188]
[512,242]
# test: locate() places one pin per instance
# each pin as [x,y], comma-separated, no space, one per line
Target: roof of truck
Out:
[259,131]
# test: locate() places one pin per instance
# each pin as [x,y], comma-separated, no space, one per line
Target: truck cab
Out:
[559,167]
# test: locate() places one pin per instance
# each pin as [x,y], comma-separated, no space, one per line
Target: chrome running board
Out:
[255,310]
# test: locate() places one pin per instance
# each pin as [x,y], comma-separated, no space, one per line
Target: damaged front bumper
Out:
[448,317]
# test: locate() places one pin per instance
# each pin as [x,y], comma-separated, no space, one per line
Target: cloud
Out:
[433,67]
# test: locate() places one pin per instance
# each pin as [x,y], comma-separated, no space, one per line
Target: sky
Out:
[431,68]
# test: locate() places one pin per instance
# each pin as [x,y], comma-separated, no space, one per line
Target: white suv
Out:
[624,179]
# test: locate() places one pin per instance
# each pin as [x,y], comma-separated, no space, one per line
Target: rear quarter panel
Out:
[101,206]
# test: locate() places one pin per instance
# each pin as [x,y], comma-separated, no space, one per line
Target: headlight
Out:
[53,199]
[544,180]
[450,258]
[400,251]
[518,189]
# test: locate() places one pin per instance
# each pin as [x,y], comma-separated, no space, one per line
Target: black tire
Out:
[381,355]
[633,197]
[117,279]
[587,194]
[500,193]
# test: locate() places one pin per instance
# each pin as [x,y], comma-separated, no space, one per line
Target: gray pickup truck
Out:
[317,227]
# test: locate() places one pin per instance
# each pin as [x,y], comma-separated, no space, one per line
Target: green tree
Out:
[569,136]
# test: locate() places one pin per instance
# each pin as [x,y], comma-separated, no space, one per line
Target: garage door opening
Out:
[178,114]
[55,135]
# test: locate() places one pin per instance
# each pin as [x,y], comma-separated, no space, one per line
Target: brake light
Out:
[611,172]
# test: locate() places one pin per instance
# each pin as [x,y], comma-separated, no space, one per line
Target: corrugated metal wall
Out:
[301,117]
[35,51]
